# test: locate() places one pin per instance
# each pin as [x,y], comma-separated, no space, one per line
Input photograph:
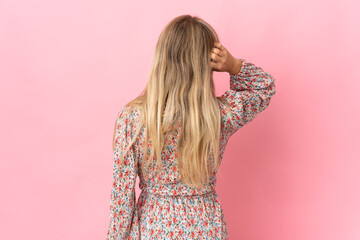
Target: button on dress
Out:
[167,208]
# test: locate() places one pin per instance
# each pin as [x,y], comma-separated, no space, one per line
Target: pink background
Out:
[67,68]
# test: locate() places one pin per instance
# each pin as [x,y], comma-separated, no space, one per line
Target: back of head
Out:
[180,92]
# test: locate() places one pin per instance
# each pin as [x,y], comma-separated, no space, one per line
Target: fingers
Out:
[217,51]
[217,54]
[219,45]
[214,57]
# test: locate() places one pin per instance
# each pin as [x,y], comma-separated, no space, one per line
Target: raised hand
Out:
[223,61]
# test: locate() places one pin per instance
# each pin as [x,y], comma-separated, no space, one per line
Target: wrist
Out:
[236,67]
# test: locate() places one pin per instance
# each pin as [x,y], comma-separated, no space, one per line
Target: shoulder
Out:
[130,113]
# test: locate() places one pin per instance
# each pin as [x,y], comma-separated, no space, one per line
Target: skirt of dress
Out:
[178,217]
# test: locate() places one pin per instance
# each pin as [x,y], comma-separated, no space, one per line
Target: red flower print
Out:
[167,207]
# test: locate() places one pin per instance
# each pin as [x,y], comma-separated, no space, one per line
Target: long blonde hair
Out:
[180,92]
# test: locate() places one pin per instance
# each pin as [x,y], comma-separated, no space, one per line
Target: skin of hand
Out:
[223,61]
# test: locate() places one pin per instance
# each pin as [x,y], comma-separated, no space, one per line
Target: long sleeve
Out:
[123,197]
[250,92]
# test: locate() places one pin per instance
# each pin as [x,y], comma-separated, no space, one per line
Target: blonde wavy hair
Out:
[180,92]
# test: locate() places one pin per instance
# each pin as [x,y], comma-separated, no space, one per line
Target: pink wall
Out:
[67,67]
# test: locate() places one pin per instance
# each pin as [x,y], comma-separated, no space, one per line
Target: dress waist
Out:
[177,189]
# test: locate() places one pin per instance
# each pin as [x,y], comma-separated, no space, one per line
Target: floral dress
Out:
[166,208]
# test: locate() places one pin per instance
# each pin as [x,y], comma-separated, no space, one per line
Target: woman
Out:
[173,135]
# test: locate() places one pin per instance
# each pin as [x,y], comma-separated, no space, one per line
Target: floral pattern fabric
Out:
[167,208]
